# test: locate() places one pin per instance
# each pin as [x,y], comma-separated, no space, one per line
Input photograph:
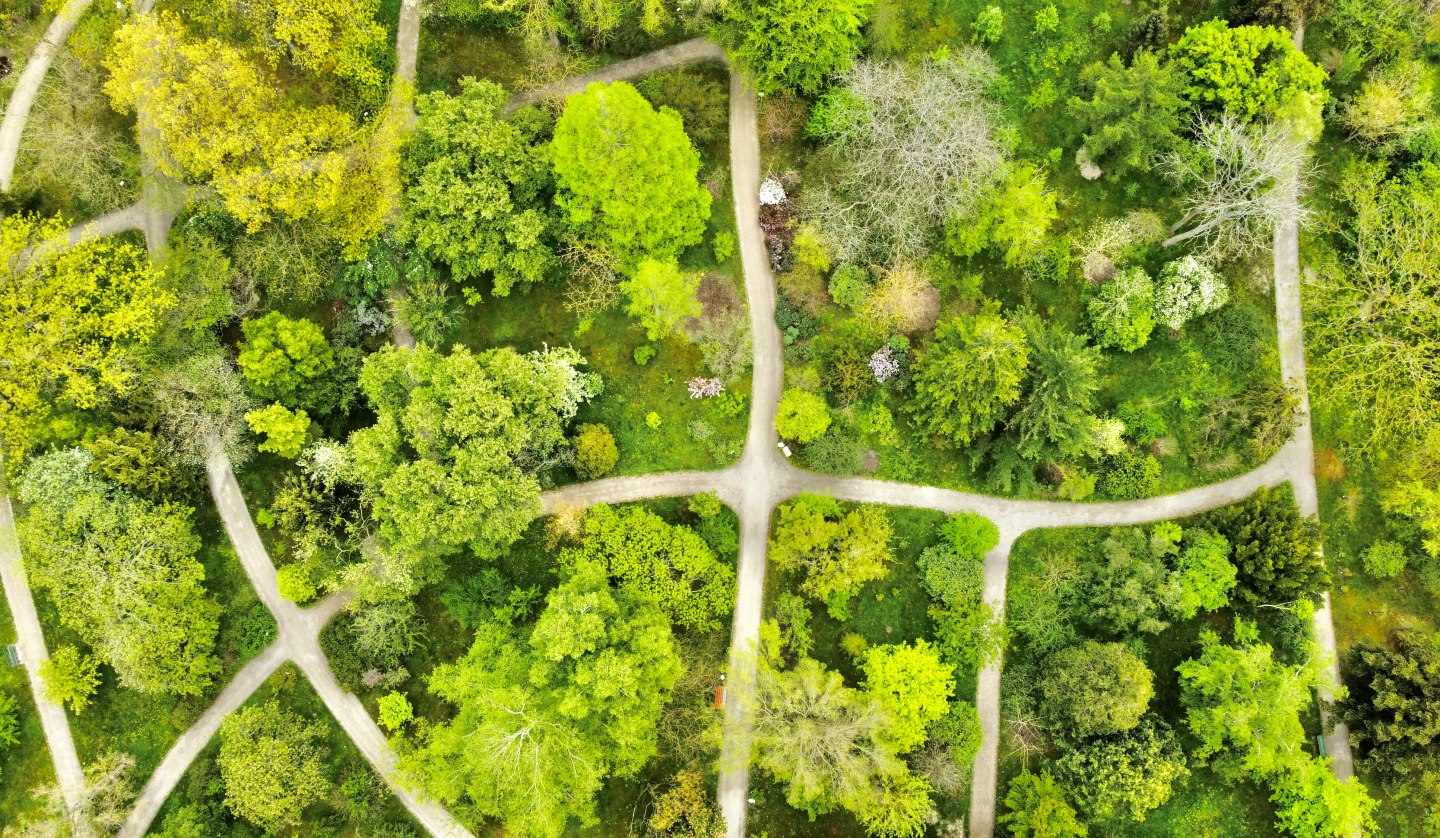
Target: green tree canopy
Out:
[595,450]
[1016,216]
[666,565]
[74,322]
[289,361]
[477,189]
[967,374]
[838,550]
[1134,115]
[1124,776]
[272,765]
[1056,417]
[794,44]
[1275,551]
[1250,71]
[661,297]
[627,175]
[1038,809]
[1122,312]
[913,687]
[122,573]
[1393,706]
[1095,689]
[450,460]
[542,721]
[802,415]
[1202,577]
[284,429]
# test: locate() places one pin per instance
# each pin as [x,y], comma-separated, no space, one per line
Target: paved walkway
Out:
[686,52]
[22,98]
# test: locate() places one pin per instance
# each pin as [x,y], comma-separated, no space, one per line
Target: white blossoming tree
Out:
[1188,288]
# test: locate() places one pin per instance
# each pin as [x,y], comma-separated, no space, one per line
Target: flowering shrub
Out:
[704,388]
[772,193]
[884,364]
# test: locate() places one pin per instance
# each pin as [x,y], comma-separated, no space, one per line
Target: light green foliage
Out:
[686,810]
[803,416]
[839,551]
[1384,559]
[849,286]
[626,175]
[653,420]
[794,44]
[1392,104]
[441,468]
[540,723]
[1244,707]
[989,25]
[723,247]
[1124,777]
[1016,217]
[122,573]
[1095,689]
[595,451]
[1056,417]
[1251,71]
[1125,583]
[295,584]
[913,687]
[1047,19]
[289,361]
[1275,550]
[428,307]
[661,297]
[1188,288]
[643,353]
[1134,114]
[133,459]
[337,36]
[660,564]
[1122,312]
[70,677]
[967,375]
[475,189]
[73,321]
[960,730]
[1203,575]
[284,429]
[793,617]
[1312,803]
[272,765]
[1038,809]
[395,710]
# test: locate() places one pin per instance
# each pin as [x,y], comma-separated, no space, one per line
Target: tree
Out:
[1095,689]
[1240,184]
[661,296]
[794,44]
[952,571]
[686,810]
[98,807]
[336,36]
[897,175]
[448,463]
[1393,706]
[542,721]
[1038,809]
[70,678]
[1311,801]
[1124,585]
[9,724]
[1188,288]
[802,416]
[122,573]
[913,687]
[1133,116]
[1122,312]
[966,375]
[838,550]
[395,710]
[626,175]
[283,428]
[595,451]
[1017,216]
[272,765]
[1372,347]
[1244,707]
[1124,776]
[477,187]
[289,361]
[905,300]
[1392,105]
[1056,415]
[136,460]
[1202,577]
[73,322]
[1275,551]
[1248,71]
[202,404]
[665,565]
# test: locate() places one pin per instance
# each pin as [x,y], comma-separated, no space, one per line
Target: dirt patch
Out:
[870,461]
[1328,466]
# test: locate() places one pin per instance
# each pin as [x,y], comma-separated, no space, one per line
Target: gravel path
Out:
[686,52]
[27,87]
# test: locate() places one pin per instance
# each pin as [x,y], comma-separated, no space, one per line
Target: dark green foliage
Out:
[1095,689]
[1130,475]
[699,98]
[1275,550]
[837,452]
[257,630]
[1125,776]
[1393,706]
[1057,401]
[1143,423]
[960,730]
[1134,114]
[966,376]
[795,323]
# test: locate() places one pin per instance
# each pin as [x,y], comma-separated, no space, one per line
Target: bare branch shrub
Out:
[903,301]
[1105,244]
[594,283]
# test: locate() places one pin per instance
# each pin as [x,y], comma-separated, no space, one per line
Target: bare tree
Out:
[1244,182]
[100,810]
[915,147]
[202,403]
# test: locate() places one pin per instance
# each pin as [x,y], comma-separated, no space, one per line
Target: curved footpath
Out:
[752,487]
[22,98]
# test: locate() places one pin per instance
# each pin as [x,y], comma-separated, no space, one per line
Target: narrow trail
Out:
[27,88]
[686,52]
[68,774]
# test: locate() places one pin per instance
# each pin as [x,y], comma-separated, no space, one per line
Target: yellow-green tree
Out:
[74,322]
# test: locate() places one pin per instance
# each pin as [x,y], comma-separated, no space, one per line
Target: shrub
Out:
[1122,313]
[643,353]
[1129,475]
[1384,559]
[803,416]
[1188,288]
[70,678]
[849,286]
[653,420]
[595,451]
[257,630]
[395,710]
[835,453]
[294,583]
[723,247]
[989,26]
[1142,424]
[1047,19]
[959,729]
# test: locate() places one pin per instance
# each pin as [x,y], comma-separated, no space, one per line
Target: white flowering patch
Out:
[884,364]
[1188,288]
[771,192]
[704,388]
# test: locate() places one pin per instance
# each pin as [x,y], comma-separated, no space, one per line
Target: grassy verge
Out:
[24,766]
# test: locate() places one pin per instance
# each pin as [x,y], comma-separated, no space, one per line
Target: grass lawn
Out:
[25,765]
[359,803]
